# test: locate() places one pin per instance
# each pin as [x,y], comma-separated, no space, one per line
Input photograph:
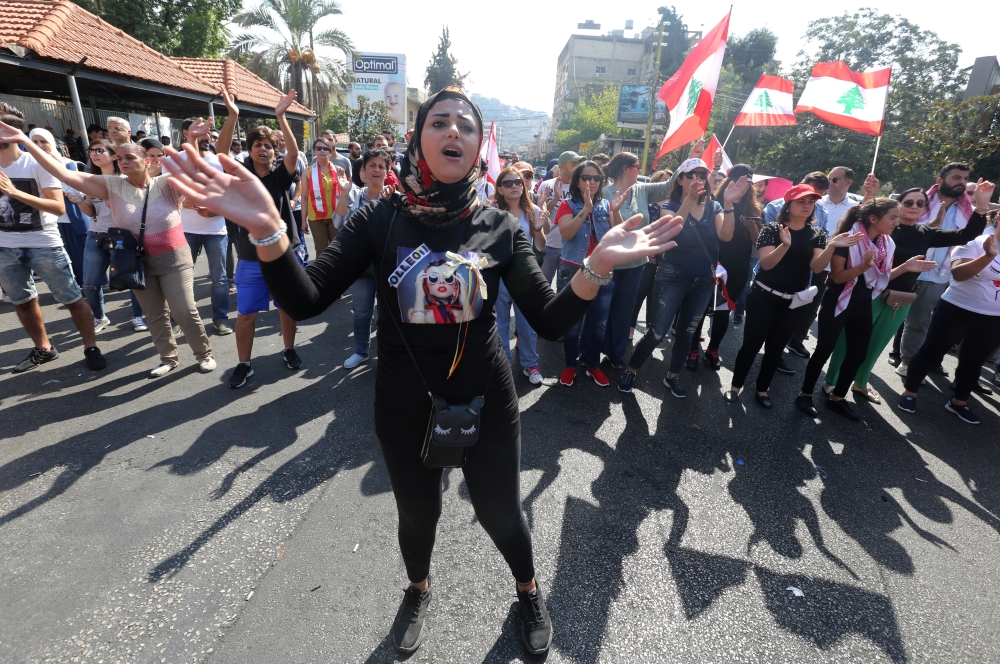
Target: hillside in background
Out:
[519,125]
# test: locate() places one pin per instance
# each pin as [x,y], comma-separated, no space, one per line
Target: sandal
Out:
[867,393]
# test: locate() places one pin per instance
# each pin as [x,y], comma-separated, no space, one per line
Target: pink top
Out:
[166,247]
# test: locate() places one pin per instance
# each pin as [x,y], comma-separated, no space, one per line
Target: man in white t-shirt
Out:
[31,201]
[550,196]
[206,230]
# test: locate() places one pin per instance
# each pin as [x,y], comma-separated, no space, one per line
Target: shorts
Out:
[252,294]
[52,264]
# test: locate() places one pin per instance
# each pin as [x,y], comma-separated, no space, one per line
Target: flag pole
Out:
[877,144]
[727,137]
[652,103]
[885,105]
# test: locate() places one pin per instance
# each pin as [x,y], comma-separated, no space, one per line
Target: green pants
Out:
[884,326]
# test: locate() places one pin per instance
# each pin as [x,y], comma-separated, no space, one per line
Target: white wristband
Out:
[271,239]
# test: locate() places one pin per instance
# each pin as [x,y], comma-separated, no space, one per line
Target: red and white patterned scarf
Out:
[877,276]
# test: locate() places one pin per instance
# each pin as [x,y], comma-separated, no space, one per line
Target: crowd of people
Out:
[423,240]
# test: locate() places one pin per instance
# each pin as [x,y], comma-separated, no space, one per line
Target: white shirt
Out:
[197,224]
[981,293]
[553,239]
[835,213]
[22,226]
[484,189]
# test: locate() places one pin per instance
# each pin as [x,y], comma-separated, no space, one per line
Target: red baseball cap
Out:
[800,191]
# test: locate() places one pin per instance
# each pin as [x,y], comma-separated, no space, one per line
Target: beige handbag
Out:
[897,299]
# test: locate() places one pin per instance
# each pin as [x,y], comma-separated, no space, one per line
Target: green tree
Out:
[676,43]
[280,39]
[336,119]
[443,68]
[369,120]
[189,28]
[589,119]
[852,100]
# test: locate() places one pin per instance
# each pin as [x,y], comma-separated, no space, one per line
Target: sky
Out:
[510,50]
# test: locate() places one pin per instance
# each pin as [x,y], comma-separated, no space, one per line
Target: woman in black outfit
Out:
[789,249]
[438,217]
[734,256]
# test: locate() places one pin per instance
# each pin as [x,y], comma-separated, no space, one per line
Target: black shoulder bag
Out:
[127,254]
[452,428]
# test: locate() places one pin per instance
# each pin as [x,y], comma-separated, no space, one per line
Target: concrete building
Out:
[414,98]
[984,78]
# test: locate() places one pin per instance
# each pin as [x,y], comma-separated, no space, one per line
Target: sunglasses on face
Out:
[920,203]
[697,174]
[836,180]
[320,148]
[510,184]
[590,178]
[434,277]
[528,175]
[96,150]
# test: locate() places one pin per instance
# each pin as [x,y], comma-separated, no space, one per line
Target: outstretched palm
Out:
[9,134]
[625,243]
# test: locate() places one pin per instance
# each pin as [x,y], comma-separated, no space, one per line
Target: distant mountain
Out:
[518,125]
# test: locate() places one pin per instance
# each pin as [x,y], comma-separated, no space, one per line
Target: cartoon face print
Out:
[436,290]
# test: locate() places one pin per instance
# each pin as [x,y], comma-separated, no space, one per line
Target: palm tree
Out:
[282,44]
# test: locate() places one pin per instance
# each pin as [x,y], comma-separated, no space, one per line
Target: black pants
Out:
[951,324]
[492,475]
[770,324]
[644,293]
[720,324]
[856,324]
[802,331]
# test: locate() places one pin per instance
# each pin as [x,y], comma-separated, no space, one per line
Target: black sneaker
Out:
[240,375]
[737,320]
[625,382]
[291,358]
[784,368]
[798,348]
[95,361]
[408,627]
[894,359]
[536,627]
[35,357]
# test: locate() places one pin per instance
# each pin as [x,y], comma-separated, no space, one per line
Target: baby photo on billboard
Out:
[435,290]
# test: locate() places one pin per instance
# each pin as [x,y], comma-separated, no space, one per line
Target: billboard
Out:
[633,107]
[381,77]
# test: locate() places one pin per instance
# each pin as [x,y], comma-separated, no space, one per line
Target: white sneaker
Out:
[901,371]
[533,374]
[6,298]
[139,324]
[162,370]
[100,324]
[354,360]
[206,365]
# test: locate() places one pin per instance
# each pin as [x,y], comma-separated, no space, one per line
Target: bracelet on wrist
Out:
[593,277]
[270,239]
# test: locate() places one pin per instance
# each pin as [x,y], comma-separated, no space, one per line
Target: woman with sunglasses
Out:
[912,242]
[321,191]
[685,277]
[623,170]
[789,248]
[582,220]
[438,215]
[512,196]
[169,270]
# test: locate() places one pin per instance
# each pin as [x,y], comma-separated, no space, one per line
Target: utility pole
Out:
[652,103]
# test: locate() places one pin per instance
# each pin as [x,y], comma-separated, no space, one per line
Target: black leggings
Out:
[720,324]
[770,324]
[950,324]
[856,323]
[644,294]
[492,475]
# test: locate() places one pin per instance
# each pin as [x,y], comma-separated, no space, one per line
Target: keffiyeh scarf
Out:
[877,276]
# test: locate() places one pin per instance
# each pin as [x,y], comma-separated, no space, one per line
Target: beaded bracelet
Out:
[271,239]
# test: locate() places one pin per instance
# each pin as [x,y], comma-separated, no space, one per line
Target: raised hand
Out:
[918,264]
[983,194]
[229,100]
[235,194]
[198,129]
[717,159]
[588,199]
[387,191]
[871,185]
[344,181]
[990,246]
[694,192]
[285,102]
[9,134]
[846,239]
[619,199]
[623,243]
[735,191]
[541,219]
[785,236]
[697,149]
[869,258]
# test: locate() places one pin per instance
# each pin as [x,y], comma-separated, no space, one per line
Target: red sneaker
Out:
[567,376]
[598,377]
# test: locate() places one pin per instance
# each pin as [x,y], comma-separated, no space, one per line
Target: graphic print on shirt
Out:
[437,288]
[18,217]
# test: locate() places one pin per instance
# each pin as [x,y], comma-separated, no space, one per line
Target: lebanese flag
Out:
[769,104]
[491,155]
[690,92]
[845,98]
[714,146]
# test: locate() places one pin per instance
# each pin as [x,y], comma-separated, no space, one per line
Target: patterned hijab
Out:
[434,204]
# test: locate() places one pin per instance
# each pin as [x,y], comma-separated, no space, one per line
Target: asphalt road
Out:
[178,520]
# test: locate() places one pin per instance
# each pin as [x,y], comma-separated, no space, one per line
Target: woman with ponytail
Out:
[858,274]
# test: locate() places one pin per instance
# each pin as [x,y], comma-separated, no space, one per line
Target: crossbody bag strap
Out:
[399,328]
[701,241]
[142,222]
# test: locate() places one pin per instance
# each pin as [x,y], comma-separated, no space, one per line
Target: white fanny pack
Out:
[799,299]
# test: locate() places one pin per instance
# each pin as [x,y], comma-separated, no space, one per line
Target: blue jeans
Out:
[363,299]
[52,264]
[625,288]
[674,291]
[215,251]
[550,261]
[592,326]
[96,262]
[527,338]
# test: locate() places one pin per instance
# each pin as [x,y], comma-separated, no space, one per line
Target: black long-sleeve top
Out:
[916,240]
[401,402]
